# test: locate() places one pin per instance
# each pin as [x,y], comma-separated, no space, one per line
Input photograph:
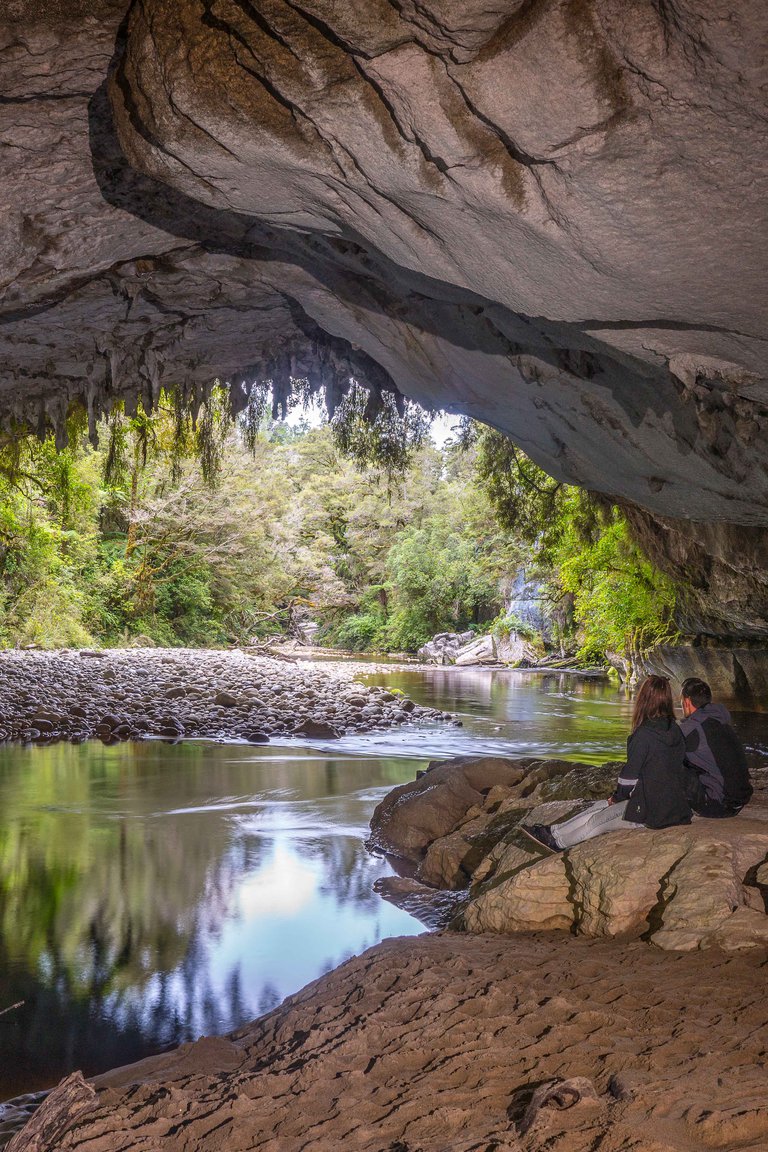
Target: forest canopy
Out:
[182,529]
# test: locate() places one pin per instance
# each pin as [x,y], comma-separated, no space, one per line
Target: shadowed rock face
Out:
[547,215]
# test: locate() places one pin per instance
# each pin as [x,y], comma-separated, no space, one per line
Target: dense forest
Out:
[207,531]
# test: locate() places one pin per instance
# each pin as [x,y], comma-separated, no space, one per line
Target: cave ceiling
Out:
[549,215]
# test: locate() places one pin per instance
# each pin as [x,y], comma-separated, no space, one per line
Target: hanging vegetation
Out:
[207,520]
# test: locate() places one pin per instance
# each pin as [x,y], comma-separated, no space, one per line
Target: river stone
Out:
[61,689]
[226,699]
[50,717]
[257,737]
[109,721]
[44,727]
[316,730]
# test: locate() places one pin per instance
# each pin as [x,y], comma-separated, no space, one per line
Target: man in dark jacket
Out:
[719,775]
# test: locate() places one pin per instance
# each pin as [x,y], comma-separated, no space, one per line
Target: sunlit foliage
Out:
[207,521]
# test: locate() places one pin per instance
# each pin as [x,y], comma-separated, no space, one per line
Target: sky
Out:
[441,430]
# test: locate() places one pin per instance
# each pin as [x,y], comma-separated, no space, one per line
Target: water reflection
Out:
[151,893]
[508,713]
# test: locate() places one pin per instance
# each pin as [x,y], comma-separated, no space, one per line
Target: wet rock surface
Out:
[451,1042]
[459,827]
[174,694]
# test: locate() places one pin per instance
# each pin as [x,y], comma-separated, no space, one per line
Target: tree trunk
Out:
[130,543]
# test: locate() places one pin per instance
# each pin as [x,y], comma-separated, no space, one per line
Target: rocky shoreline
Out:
[176,694]
[507,1035]
[458,829]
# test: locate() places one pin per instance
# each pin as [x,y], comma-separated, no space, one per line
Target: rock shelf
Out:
[444,1044]
[458,828]
[173,694]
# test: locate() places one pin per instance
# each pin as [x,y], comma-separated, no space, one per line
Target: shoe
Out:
[541,835]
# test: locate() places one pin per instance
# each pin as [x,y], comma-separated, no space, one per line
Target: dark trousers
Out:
[704,805]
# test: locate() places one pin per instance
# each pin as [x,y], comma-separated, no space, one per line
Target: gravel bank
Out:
[133,694]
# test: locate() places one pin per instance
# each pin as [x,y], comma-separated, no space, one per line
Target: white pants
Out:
[593,821]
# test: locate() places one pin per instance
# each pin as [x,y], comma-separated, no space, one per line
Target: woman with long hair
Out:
[651,789]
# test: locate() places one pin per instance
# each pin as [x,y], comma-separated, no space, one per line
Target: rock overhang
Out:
[547,216]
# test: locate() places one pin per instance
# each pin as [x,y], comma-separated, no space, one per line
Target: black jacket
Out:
[654,778]
[717,755]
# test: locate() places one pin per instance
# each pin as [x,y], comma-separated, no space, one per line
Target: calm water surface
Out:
[151,893]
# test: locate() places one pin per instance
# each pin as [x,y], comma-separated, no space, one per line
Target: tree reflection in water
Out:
[150,894]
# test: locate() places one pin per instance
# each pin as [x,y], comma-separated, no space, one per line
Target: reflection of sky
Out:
[288,908]
[190,888]
[303,905]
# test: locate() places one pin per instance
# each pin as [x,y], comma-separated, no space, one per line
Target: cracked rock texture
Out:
[681,888]
[694,886]
[445,1044]
[547,214]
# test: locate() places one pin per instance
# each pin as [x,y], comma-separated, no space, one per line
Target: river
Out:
[151,893]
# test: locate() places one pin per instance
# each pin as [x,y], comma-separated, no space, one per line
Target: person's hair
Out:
[654,701]
[697,691]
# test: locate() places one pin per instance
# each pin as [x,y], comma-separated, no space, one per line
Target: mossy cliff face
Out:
[547,215]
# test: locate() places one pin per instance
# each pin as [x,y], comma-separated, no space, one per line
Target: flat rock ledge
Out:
[136,693]
[458,827]
[457,1043]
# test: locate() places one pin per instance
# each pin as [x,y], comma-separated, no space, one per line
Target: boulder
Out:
[413,815]
[479,651]
[523,904]
[681,888]
[443,648]
[515,649]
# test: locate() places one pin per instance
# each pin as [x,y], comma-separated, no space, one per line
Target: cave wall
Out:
[546,214]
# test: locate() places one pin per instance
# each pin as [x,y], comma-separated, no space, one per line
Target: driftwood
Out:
[265,650]
[70,1098]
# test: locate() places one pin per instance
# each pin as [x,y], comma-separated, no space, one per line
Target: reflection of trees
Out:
[347,867]
[110,908]
[96,912]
